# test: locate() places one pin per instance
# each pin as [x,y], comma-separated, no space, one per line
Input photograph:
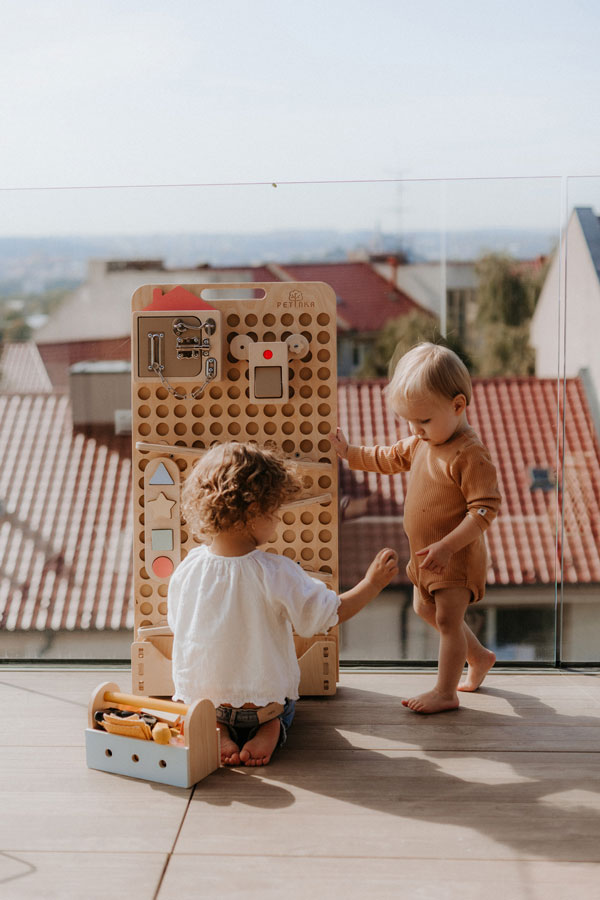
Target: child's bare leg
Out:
[230,752]
[480,660]
[450,608]
[258,750]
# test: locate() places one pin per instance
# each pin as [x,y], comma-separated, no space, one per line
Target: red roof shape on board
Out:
[177,298]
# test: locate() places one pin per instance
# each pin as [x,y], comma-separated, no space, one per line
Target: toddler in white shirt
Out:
[232,607]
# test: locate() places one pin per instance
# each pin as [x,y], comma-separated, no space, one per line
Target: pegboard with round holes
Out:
[301,315]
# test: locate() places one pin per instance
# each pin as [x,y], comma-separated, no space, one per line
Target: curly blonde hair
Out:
[232,483]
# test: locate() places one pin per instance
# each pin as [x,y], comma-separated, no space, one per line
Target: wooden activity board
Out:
[207,369]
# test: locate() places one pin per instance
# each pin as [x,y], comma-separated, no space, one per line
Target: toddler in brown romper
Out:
[451,500]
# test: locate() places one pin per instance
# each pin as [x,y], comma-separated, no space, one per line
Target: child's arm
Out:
[384,460]
[379,574]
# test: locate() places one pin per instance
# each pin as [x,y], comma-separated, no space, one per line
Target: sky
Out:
[227,99]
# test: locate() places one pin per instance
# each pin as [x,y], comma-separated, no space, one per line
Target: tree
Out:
[506,296]
[399,335]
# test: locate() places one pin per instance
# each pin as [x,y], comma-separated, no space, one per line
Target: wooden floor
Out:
[500,799]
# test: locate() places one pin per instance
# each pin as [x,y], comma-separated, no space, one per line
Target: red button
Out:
[162,567]
[268,354]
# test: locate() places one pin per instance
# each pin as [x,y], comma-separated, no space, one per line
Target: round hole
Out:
[216,428]
[323,391]
[289,518]
[180,428]
[306,391]
[323,374]
[325,553]
[325,535]
[162,428]
[180,411]
[287,427]
[146,590]
[287,409]
[306,427]
[287,319]
[323,337]
[305,319]
[197,410]
[144,429]
[305,409]
[288,446]
[289,536]
[215,392]
[267,337]
[290,553]
[307,553]
[135,757]
[269,410]
[233,392]
[324,518]
[252,410]
[162,764]
[233,320]
[216,410]
[324,409]
[307,536]
[144,393]
[163,607]
[323,355]
[269,320]
[108,752]
[306,446]
[144,411]
[270,427]
[323,319]
[251,320]
[233,374]
[324,428]
[305,374]
[306,518]
[197,428]
[161,393]
[324,446]
[146,609]
[163,590]
[324,481]
[234,428]
[234,410]
[252,428]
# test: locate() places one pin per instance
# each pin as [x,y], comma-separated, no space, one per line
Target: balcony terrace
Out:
[499,799]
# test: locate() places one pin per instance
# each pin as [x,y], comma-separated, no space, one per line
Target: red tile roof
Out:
[516,418]
[65,523]
[366,301]
[65,520]
[22,368]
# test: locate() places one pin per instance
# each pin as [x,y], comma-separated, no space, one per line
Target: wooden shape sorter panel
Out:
[224,394]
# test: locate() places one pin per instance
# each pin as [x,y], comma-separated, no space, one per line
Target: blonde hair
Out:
[425,370]
[232,483]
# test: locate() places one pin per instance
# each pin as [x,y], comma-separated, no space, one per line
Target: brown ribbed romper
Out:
[447,482]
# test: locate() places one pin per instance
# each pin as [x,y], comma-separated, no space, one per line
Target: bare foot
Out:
[431,702]
[230,752]
[258,750]
[477,671]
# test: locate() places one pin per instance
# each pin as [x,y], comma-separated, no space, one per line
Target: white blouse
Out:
[232,619]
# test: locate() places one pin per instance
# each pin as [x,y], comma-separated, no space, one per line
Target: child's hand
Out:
[383,568]
[437,556]
[340,443]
